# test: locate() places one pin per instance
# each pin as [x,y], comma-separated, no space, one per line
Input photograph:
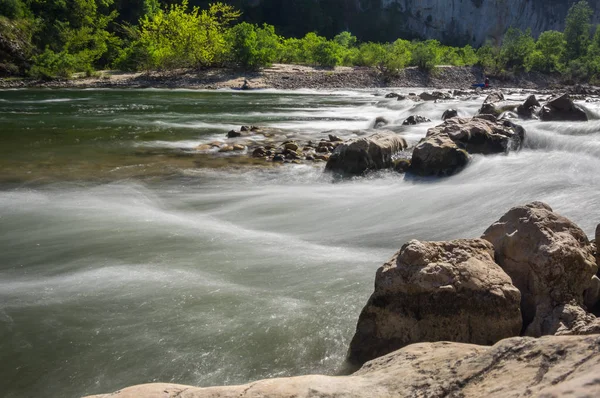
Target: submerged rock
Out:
[562,108]
[437,291]
[380,122]
[551,262]
[359,155]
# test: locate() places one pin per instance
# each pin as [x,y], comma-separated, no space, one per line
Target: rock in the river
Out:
[562,108]
[438,155]
[551,262]
[393,95]
[437,291]
[335,138]
[445,149]
[495,105]
[380,122]
[359,155]
[293,146]
[433,96]
[234,134]
[481,134]
[549,367]
[449,113]
[226,148]
[259,152]
[412,120]
[528,108]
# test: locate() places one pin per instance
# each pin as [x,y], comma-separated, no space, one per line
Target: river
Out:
[127,258]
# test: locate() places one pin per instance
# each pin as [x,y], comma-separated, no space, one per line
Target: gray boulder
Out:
[360,155]
[562,108]
[446,148]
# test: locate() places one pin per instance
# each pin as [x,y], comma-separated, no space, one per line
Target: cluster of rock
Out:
[274,145]
[532,273]
[445,150]
[556,108]
[433,95]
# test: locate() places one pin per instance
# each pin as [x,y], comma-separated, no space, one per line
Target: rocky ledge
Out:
[548,367]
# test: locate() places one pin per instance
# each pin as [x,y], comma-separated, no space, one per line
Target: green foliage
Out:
[345,39]
[49,65]
[517,45]
[13,9]
[426,55]
[548,53]
[63,37]
[253,47]
[577,30]
[178,38]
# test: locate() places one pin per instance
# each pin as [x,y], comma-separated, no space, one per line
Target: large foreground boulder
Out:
[446,148]
[360,155]
[550,367]
[551,261]
[562,108]
[436,291]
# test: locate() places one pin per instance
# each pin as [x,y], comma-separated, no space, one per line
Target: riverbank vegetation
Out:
[48,39]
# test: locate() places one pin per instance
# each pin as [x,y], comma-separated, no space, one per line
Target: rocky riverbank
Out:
[533,273]
[282,76]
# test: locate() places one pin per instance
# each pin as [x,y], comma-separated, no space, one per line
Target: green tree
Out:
[13,9]
[345,39]
[426,55]
[516,46]
[548,53]
[176,38]
[577,30]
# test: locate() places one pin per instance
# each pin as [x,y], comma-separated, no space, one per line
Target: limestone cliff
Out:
[452,21]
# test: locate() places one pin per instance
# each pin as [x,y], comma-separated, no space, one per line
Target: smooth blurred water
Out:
[122,262]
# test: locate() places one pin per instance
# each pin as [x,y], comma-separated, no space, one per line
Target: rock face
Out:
[550,367]
[562,108]
[437,291]
[357,156]
[445,149]
[551,262]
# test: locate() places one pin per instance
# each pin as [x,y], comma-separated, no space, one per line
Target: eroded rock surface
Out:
[445,149]
[550,260]
[359,155]
[549,367]
[435,291]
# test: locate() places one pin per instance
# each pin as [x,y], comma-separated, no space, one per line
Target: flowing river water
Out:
[127,258]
